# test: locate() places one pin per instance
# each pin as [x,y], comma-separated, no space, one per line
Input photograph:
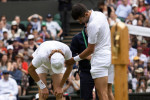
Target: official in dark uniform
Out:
[79,43]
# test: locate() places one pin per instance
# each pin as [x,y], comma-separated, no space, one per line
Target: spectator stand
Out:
[138,32]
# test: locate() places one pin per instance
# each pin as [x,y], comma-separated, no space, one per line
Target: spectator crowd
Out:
[137,13]
[18,42]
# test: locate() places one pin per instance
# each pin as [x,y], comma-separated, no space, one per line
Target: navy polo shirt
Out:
[77,46]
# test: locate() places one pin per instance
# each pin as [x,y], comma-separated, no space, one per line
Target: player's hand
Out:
[70,61]
[59,92]
[44,93]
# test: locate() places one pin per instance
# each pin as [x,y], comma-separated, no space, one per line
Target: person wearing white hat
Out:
[53,27]
[13,23]
[32,44]
[30,37]
[5,30]
[15,31]
[134,5]
[50,56]
[35,20]
[10,47]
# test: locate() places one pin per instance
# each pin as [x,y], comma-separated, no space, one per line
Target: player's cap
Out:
[57,62]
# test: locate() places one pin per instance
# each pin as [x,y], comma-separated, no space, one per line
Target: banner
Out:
[138,30]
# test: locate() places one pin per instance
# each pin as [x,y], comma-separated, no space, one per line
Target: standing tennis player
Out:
[99,45]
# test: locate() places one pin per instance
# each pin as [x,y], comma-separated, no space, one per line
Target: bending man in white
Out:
[50,56]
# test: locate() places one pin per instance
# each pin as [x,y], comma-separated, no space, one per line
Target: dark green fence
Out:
[139,96]
[26,8]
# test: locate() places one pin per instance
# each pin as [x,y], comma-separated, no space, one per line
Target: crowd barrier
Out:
[138,30]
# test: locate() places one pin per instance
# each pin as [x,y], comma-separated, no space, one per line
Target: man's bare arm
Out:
[59,90]
[87,52]
[44,91]
[66,75]
[33,74]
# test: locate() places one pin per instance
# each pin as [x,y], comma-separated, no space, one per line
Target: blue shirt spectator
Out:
[16,73]
[132,53]
[123,10]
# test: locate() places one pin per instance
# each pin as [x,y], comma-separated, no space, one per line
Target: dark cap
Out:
[5,72]
[49,16]
[145,2]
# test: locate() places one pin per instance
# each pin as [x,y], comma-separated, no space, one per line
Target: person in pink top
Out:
[141,7]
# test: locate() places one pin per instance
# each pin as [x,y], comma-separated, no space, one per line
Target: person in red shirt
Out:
[23,66]
[145,48]
[3,50]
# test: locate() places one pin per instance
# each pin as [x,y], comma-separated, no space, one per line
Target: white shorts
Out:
[111,74]
[44,69]
[7,97]
[103,71]
[99,71]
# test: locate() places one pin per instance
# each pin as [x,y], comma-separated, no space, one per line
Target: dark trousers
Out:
[86,85]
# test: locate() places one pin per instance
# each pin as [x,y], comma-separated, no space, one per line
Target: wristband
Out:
[41,84]
[77,58]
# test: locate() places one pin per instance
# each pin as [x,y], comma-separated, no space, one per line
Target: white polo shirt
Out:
[41,55]
[99,34]
[36,25]
[53,27]
[8,87]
